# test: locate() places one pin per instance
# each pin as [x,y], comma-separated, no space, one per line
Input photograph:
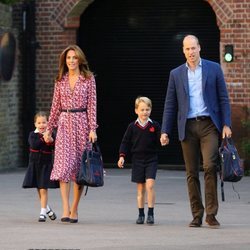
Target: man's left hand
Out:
[226,132]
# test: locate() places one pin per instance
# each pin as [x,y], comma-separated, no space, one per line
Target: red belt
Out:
[40,151]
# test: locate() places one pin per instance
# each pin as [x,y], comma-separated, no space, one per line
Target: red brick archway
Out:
[58,22]
[67,13]
[233,22]
[222,10]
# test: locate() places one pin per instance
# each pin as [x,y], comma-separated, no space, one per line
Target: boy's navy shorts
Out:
[143,169]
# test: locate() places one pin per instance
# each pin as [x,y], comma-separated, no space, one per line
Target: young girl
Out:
[40,165]
[142,138]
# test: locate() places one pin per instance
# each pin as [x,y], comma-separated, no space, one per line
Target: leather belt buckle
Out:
[73,110]
[201,118]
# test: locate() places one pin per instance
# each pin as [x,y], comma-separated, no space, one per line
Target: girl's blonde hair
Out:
[144,99]
[83,63]
[39,114]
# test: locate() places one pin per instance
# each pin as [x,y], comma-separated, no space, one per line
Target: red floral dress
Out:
[72,128]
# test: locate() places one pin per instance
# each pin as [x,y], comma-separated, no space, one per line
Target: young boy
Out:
[141,139]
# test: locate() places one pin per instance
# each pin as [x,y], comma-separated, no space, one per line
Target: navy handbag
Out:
[91,171]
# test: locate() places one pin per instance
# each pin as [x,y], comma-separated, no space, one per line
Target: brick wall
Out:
[233,18]
[56,28]
[10,99]
[58,20]
[52,38]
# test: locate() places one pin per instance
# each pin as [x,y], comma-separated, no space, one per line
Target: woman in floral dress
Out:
[73,113]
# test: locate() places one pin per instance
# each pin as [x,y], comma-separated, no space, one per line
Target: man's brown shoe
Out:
[211,221]
[196,222]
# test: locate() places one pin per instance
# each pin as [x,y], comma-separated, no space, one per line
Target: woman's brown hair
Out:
[83,63]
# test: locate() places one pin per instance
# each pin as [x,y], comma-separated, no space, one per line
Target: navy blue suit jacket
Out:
[214,93]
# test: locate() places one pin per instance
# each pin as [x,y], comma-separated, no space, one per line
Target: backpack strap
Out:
[219,164]
[81,186]
[86,191]
[235,190]
[222,190]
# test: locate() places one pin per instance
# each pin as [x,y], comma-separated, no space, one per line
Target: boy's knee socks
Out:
[141,212]
[150,211]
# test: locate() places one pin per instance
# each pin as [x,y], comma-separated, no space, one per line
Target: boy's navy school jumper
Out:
[143,143]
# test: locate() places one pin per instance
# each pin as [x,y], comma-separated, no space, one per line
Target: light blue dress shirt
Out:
[197,105]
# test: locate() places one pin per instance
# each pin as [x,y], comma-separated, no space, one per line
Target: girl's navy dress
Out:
[40,163]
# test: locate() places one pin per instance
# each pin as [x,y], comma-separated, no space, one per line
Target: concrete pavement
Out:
[107,217]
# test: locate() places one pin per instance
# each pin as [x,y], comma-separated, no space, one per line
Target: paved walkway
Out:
[107,217]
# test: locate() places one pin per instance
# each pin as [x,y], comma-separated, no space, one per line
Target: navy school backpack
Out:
[231,168]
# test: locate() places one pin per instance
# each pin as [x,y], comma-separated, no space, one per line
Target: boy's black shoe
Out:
[150,219]
[140,219]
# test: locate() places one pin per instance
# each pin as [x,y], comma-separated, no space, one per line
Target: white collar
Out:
[143,124]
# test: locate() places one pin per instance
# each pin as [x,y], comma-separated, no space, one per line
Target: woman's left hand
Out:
[92,136]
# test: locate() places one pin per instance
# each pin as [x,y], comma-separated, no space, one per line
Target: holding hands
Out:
[164,139]
[47,137]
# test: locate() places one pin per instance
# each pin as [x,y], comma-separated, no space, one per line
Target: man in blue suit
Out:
[197,96]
